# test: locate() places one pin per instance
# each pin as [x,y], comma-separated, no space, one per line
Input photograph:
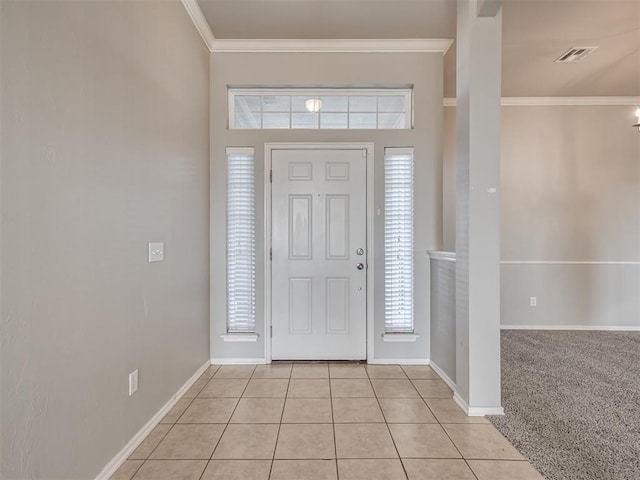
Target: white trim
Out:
[400,337]
[398,361]
[476,411]
[445,378]
[197,17]
[569,101]
[559,101]
[369,148]
[442,255]
[371,246]
[314,358]
[137,439]
[238,361]
[604,328]
[398,150]
[564,262]
[319,90]
[409,45]
[267,251]
[240,337]
[240,151]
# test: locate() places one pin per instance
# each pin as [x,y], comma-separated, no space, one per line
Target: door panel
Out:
[319,222]
[300,223]
[300,305]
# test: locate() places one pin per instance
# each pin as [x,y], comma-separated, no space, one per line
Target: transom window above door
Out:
[320,108]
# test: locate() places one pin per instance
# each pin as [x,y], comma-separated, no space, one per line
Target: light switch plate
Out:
[156,251]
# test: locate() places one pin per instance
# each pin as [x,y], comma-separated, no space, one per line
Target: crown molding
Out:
[400,45]
[559,101]
[418,45]
[197,17]
[569,101]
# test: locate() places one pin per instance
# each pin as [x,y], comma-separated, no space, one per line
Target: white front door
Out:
[319,258]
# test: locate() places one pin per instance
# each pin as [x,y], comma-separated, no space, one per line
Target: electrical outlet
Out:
[133,382]
[533,302]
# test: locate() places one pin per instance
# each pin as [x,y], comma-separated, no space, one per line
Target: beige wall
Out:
[104,148]
[424,71]
[570,181]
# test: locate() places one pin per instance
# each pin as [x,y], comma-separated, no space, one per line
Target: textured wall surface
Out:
[105,147]
[571,193]
[570,181]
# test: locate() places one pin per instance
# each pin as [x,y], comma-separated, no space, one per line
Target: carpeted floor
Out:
[572,402]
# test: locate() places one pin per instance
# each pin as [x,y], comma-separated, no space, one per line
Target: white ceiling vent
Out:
[575,54]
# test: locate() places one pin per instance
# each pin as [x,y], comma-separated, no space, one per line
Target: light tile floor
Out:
[322,422]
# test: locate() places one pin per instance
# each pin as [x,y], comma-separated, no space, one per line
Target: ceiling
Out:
[535,33]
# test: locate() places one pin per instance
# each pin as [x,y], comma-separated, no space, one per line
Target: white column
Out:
[479,43]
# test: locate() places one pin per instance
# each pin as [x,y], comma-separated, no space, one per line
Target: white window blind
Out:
[398,240]
[241,241]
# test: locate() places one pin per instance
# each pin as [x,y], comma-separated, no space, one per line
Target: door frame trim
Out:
[269,147]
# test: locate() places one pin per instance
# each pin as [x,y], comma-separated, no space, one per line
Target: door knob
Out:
[360,266]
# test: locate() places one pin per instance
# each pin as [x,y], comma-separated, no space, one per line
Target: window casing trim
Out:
[240,244]
[311,92]
[399,240]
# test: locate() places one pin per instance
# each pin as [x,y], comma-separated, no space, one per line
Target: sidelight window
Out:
[398,240]
[241,241]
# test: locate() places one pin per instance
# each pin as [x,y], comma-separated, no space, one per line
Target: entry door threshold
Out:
[320,362]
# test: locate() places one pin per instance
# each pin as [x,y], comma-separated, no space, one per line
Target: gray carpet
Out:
[572,402]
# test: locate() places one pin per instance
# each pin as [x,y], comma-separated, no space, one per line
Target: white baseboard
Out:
[445,378]
[572,327]
[398,361]
[137,439]
[476,411]
[240,337]
[237,361]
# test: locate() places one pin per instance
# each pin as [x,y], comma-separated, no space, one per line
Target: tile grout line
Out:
[406,475]
[137,469]
[325,459]
[228,421]
[161,440]
[172,424]
[284,405]
[170,428]
[191,400]
[443,429]
[456,447]
[338,423]
[331,398]
[333,426]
